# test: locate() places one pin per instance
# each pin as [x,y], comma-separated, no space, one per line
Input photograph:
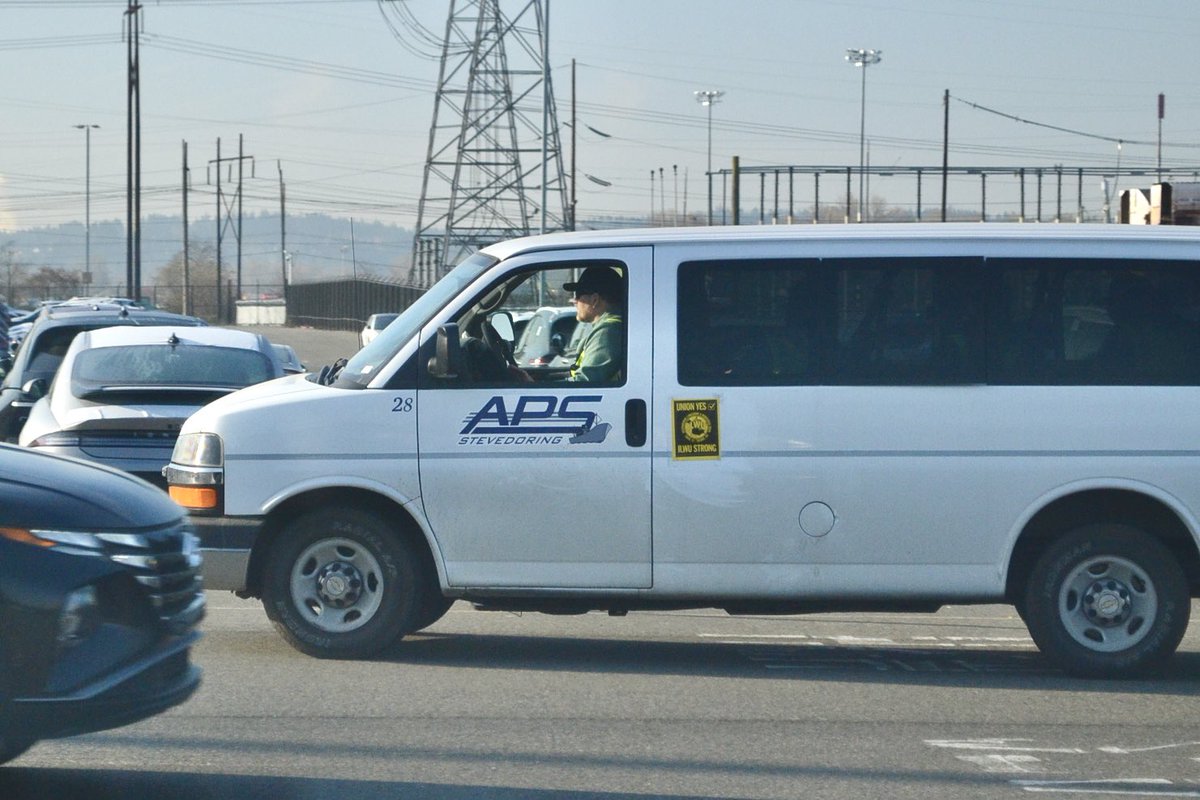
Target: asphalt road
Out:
[316,348]
[682,704]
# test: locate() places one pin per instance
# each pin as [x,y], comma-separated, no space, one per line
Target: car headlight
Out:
[198,450]
[75,542]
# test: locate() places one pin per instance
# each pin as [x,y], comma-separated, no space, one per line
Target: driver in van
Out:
[598,297]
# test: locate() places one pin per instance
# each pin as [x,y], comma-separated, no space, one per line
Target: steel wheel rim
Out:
[1108,604]
[337,585]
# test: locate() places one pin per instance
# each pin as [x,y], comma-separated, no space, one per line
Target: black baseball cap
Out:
[603,281]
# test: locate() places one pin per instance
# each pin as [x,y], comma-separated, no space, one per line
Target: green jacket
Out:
[602,354]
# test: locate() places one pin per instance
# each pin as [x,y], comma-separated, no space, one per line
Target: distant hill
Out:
[321,247]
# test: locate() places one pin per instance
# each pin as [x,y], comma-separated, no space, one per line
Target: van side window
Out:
[556,340]
[807,322]
[1101,322]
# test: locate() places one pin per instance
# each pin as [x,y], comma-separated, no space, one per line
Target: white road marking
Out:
[1128,750]
[849,640]
[995,762]
[1005,745]
[1128,787]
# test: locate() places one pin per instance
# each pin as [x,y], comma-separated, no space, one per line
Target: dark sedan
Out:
[100,597]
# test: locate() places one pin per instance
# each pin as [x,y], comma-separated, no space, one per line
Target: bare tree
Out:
[201,283]
[15,276]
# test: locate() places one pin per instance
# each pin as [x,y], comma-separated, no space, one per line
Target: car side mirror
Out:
[503,323]
[447,359]
[34,389]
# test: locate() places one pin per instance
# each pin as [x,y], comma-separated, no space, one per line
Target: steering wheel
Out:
[498,344]
[483,363]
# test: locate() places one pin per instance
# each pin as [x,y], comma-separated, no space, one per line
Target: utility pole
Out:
[133,165]
[238,296]
[282,228]
[224,213]
[1162,108]
[651,198]
[946,150]
[571,216]
[675,203]
[187,283]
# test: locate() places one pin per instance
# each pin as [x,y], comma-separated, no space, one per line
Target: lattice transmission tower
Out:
[494,167]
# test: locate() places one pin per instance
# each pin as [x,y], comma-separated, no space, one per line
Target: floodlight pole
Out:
[862,58]
[707,98]
[87,184]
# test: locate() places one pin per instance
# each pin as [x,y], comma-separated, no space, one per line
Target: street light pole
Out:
[707,98]
[862,58]
[87,236]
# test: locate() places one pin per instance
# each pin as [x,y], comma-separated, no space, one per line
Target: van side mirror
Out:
[447,359]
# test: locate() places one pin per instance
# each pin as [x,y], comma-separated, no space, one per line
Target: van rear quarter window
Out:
[938,321]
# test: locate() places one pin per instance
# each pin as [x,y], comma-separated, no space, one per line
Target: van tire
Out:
[433,608]
[342,583]
[1107,601]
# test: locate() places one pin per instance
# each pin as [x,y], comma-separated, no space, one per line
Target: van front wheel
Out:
[342,583]
[1107,601]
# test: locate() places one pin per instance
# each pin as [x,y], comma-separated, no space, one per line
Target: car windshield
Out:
[361,368]
[185,366]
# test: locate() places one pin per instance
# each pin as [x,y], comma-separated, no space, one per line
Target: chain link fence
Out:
[341,304]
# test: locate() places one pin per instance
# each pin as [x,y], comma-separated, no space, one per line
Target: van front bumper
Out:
[225,544]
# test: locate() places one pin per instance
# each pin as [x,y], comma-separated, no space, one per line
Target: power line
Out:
[305,66]
[1072,131]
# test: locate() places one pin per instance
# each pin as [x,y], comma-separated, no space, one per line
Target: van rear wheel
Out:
[342,583]
[1107,601]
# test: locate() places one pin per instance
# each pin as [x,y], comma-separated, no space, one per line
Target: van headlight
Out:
[198,450]
[195,474]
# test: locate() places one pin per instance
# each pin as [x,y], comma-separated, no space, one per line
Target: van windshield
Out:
[361,368]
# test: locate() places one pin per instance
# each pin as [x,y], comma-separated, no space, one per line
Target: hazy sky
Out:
[355,146]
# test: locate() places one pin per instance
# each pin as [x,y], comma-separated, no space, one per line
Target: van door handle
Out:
[635,423]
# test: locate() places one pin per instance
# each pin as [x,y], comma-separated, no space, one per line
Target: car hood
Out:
[35,488]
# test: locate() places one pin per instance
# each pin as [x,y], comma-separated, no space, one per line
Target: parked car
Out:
[545,336]
[288,358]
[47,341]
[122,393]
[375,323]
[100,597]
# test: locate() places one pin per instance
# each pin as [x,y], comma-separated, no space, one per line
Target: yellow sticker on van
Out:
[696,429]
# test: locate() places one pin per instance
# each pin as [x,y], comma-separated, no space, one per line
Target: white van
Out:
[807,419]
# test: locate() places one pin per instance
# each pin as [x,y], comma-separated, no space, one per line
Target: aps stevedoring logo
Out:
[535,420]
[696,429]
